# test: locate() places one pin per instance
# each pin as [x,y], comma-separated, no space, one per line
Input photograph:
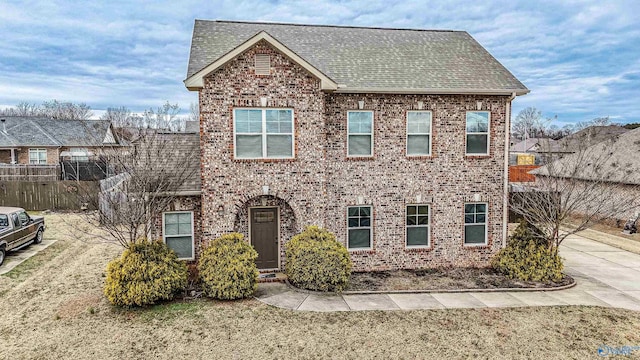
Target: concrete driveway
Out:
[16,257]
[605,275]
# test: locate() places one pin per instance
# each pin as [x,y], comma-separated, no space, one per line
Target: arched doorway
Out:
[268,222]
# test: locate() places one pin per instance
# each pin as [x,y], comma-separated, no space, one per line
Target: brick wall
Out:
[321,182]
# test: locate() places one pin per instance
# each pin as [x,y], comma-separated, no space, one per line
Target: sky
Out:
[580,59]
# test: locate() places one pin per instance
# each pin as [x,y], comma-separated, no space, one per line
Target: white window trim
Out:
[193,236]
[485,223]
[359,227]
[38,151]
[370,134]
[429,133]
[488,132]
[264,135]
[406,233]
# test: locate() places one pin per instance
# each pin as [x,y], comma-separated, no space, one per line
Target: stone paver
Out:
[605,275]
[416,301]
[15,258]
[370,302]
[498,299]
[458,300]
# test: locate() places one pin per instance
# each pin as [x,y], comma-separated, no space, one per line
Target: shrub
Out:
[528,257]
[145,273]
[317,261]
[227,268]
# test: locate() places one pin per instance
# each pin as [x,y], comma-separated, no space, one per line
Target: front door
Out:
[264,236]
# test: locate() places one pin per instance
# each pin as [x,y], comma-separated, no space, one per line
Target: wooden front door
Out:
[264,236]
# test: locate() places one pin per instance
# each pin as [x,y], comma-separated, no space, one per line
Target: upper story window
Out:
[419,133]
[477,133]
[360,133]
[263,133]
[37,156]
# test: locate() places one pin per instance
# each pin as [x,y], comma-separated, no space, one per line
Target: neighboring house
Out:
[611,167]
[45,141]
[394,140]
[525,152]
[553,150]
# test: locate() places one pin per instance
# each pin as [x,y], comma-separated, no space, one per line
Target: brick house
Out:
[392,139]
[45,141]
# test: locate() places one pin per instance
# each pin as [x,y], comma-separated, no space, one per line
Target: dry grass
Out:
[57,311]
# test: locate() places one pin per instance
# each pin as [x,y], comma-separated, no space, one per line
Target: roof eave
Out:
[505,92]
[196,81]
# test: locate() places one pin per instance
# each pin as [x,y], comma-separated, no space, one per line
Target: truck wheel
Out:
[2,254]
[38,238]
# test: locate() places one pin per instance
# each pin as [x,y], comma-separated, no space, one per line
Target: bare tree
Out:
[194,113]
[528,123]
[150,175]
[66,110]
[590,185]
[119,117]
[163,117]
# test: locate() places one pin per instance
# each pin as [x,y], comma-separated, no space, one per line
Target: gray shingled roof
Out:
[582,139]
[192,127]
[368,58]
[615,160]
[39,131]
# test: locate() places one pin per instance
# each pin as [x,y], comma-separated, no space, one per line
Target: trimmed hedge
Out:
[145,273]
[317,261]
[227,268]
[527,257]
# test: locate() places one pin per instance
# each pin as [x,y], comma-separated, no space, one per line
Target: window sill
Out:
[274,160]
[418,248]
[362,251]
[476,246]
[360,158]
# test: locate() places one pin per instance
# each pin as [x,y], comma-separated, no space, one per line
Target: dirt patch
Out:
[442,279]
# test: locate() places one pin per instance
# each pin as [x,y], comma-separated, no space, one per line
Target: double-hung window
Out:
[263,133]
[178,233]
[360,133]
[38,156]
[359,223]
[477,132]
[419,133]
[475,224]
[417,226]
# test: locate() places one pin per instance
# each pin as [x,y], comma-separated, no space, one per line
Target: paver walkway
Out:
[15,258]
[605,276]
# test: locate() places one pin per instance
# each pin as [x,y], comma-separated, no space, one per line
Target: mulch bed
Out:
[442,279]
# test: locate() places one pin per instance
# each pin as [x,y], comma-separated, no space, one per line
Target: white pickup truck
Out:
[17,228]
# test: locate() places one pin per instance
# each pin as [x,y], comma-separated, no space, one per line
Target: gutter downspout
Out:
[505,203]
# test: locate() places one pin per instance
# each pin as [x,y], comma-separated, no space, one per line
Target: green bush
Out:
[528,257]
[317,261]
[227,268]
[145,273]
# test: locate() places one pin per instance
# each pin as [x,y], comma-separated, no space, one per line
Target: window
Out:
[38,156]
[360,133]
[417,225]
[263,133]
[478,132]
[359,219]
[178,233]
[419,133]
[475,224]
[4,221]
[23,217]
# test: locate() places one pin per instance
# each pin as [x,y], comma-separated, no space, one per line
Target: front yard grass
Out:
[57,310]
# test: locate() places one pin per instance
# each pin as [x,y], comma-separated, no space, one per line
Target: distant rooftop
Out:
[41,131]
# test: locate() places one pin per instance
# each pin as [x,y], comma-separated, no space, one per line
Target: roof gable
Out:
[196,81]
[368,59]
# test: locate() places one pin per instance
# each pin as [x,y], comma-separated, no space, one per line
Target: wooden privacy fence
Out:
[519,173]
[29,172]
[41,195]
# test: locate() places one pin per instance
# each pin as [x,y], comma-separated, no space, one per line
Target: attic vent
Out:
[263,64]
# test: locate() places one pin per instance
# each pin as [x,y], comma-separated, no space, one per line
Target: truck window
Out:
[16,221]
[4,221]
[24,218]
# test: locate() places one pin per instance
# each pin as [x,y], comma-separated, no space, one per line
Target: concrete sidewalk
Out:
[605,275]
[15,258]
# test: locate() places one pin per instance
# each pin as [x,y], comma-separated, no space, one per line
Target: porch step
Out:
[272,277]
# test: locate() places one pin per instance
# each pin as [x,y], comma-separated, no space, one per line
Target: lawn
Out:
[56,310]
